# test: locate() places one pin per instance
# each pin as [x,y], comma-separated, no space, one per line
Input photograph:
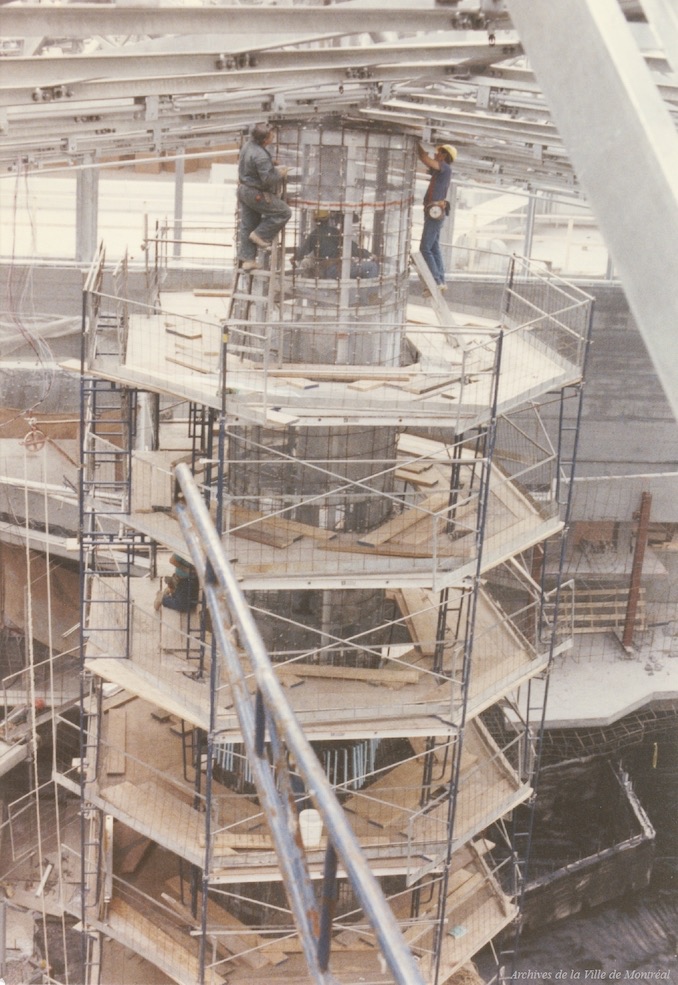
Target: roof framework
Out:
[86,82]
[182,80]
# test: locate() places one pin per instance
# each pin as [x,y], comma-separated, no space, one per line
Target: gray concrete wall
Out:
[627,425]
[30,373]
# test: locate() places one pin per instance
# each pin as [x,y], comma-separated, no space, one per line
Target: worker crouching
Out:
[321,253]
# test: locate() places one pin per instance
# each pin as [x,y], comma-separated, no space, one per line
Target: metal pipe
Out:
[197,524]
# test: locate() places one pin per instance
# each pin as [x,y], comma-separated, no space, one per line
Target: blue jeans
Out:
[430,248]
[260,212]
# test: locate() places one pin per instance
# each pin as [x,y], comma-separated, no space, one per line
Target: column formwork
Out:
[351,186]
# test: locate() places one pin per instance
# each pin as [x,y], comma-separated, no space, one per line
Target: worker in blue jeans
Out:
[262,212]
[436,207]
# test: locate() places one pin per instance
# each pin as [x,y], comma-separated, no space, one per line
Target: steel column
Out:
[86,214]
[624,147]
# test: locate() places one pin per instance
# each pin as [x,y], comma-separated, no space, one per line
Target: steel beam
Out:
[663,16]
[624,148]
[128,64]
[83,20]
[262,81]
[86,215]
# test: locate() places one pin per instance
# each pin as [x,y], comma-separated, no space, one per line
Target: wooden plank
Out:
[417,478]
[364,385]
[194,334]
[419,533]
[417,465]
[387,802]
[419,742]
[134,857]
[421,618]
[265,532]
[596,610]
[344,374]
[278,526]
[431,382]
[418,930]
[192,705]
[355,940]
[300,382]
[461,879]
[160,715]
[468,761]
[381,675]
[394,548]
[188,364]
[274,416]
[229,945]
[151,807]
[387,531]
[427,448]
[146,938]
[225,842]
[617,593]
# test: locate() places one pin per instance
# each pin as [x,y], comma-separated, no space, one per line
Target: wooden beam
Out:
[637,568]
[387,531]
[380,675]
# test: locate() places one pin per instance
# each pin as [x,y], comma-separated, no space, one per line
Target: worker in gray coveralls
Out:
[262,213]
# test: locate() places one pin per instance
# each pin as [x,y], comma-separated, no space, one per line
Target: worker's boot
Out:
[265,244]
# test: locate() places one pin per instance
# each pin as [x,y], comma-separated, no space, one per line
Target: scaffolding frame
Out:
[453,601]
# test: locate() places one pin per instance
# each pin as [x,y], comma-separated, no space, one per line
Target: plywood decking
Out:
[432,541]
[174,353]
[476,911]
[239,942]
[386,815]
[391,805]
[421,704]
[178,959]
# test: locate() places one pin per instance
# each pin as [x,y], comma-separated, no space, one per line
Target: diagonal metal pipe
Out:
[231,616]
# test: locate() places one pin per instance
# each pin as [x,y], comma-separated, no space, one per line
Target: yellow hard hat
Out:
[321,214]
[449,149]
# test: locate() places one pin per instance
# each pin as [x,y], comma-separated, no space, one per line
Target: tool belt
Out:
[437,210]
[258,192]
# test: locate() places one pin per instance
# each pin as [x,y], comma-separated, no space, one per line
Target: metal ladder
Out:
[108,550]
[91,823]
